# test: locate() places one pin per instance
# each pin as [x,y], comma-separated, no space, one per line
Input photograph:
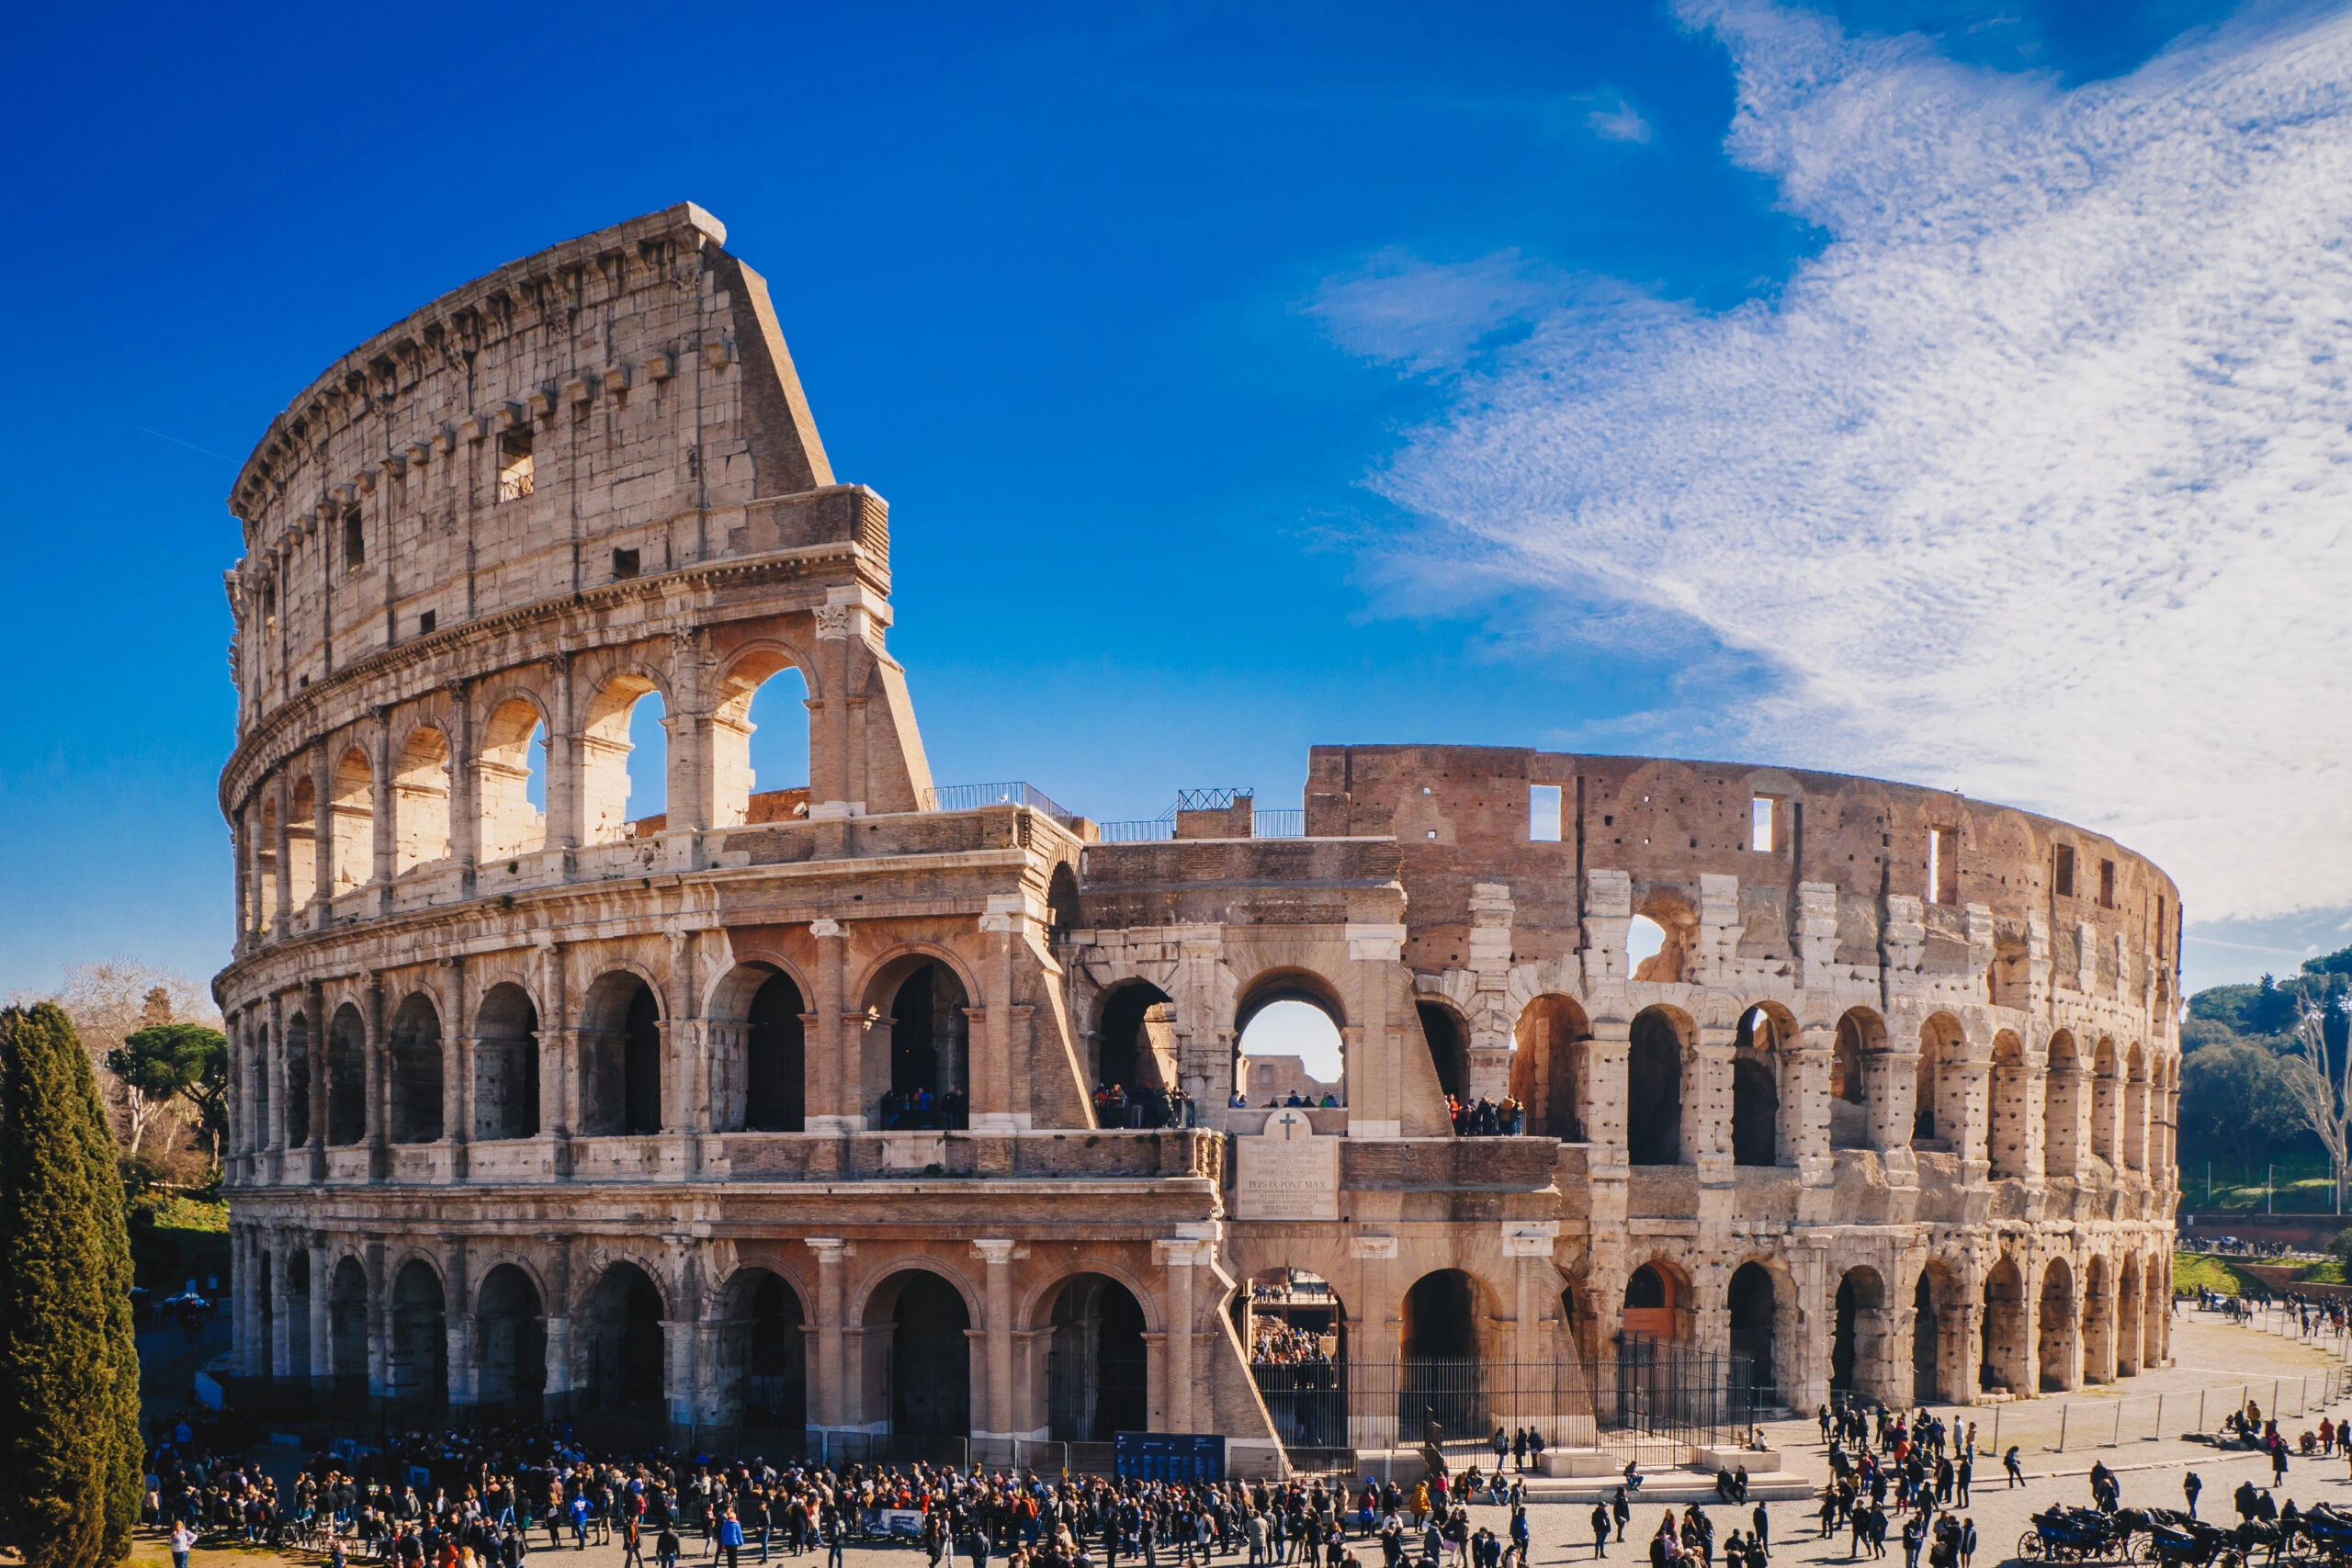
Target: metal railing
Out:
[1158,830]
[1278,824]
[971,797]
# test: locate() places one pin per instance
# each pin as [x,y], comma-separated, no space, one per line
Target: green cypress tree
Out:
[70,1447]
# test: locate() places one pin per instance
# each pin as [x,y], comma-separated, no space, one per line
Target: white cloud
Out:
[1617,122]
[2036,481]
[1430,316]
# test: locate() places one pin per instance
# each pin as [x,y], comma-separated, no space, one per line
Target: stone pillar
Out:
[283,874]
[1489,1043]
[322,846]
[836,1101]
[1890,1079]
[380,1083]
[323,1367]
[999,1253]
[457,1323]
[244,1313]
[830,1403]
[381,820]
[273,1063]
[380,1338]
[1178,1257]
[1706,1101]
[314,1007]
[1973,1139]
[458,1081]
[566,779]
[557,1393]
[1804,1115]
[993,1045]
[1603,1092]
[465,795]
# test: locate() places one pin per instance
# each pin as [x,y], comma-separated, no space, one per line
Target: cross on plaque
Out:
[1290,1123]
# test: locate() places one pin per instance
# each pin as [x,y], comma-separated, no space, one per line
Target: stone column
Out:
[1602,1094]
[380,1083]
[998,1254]
[837,1100]
[245,1312]
[1178,1256]
[1706,1099]
[1973,1139]
[323,845]
[323,1367]
[1805,1116]
[457,1081]
[273,1063]
[457,1323]
[1888,1081]
[831,1403]
[464,798]
[381,821]
[379,1340]
[556,1392]
[284,871]
[314,1007]
[566,783]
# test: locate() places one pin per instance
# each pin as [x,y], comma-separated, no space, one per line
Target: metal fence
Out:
[1650,1399]
[971,797]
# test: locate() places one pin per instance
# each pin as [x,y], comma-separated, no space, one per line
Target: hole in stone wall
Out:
[514,466]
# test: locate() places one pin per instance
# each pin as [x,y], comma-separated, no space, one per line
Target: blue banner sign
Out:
[1170,1456]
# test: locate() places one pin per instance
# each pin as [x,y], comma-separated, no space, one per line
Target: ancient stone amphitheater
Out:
[776,1112]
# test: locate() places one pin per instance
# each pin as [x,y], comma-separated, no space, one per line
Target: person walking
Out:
[1601,1530]
[182,1542]
[1763,1523]
[731,1538]
[1620,1511]
[2017,1471]
[2190,1485]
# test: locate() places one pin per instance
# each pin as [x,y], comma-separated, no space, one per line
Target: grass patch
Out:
[2202,1270]
[2328,1271]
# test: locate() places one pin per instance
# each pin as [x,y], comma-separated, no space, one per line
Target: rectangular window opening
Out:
[1759,824]
[514,463]
[425,623]
[2063,881]
[2106,885]
[2160,925]
[1544,814]
[355,541]
[624,563]
[1943,865]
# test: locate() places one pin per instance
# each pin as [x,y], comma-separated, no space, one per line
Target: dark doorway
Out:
[775,1382]
[506,1065]
[625,1345]
[775,1084]
[1095,1369]
[931,1360]
[1753,1319]
[1926,1330]
[1449,1051]
[1122,1055]
[1440,1383]
[641,1065]
[514,1346]
[1654,1092]
[346,1078]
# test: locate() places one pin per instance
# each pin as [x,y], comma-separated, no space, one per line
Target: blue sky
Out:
[1246,378]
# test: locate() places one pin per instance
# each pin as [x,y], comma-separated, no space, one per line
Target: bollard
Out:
[2158,1435]
[2116,1436]
[2063,1411]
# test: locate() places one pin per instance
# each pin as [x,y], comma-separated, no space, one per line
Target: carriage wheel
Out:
[2149,1552]
[2029,1546]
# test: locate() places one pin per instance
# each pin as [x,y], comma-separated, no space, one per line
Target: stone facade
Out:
[537,1106]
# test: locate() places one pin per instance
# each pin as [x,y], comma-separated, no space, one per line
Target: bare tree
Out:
[2321,1090]
[109,1001]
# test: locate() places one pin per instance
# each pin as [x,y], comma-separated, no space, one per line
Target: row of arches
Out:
[617,772]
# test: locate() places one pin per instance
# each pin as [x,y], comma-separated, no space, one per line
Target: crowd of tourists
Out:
[1273,1342]
[1146,1106]
[1485,1118]
[1293,1101]
[917,1109]
[1915,1461]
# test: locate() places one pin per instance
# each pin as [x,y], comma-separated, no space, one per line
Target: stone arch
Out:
[1758,1069]
[353,818]
[2155,1316]
[2009,1144]
[601,753]
[1090,1377]
[1134,1041]
[1551,1043]
[1861,1034]
[1761,1306]
[1661,1300]
[262,880]
[758,1033]
[1446,1034]
[417,1363]
[1678,925]
[506,1063]
[2060,1338]
[2062,1108]
[2107,1101]
[1287,984]
[2135,1110]
[346,1068]
[510,826]
[1938,1093]
[917,1057]
[511,1342]
[2128,1290]
[918,1376]
[346,1346]
[2006,1348]
[1445,1330]
[413,1048]
[299,1069]
[1857,1347]
[302,843]
[2097,1321]
[1657,1073]
[746,669]
[763,1366]
[621,1056]
[622,1332]
[1065,906]
[421,799]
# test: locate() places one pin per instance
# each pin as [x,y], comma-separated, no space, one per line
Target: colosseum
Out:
[784,1109]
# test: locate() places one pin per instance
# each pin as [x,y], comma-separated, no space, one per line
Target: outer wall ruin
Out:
[536,1107]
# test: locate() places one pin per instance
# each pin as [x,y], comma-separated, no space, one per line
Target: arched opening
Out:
[298,1081]
[1440,1382]
[1295,1329]
[623,1329]
[760,741]
[2155,1320]
[514,740]
[1547,1062]
[929,1084]
[2107,1101]
[507,1064]
[1654,946]
[2099,1327]
[763,1378]
[421,801]
[1857,1036]
[2004,1361]
[2062,1109]
[1658,1305]
[2057,1345]
[347,1329]
[2135,1112]
[258,1075]
[1095,1362]
[354,821]
[1754,1310]
[1289,1049]
[1654,1090]
[511,1341]
[919,1355]
[1756,1090]
[1134,1051]
[1937,1114]
[302,845]
[2011,1141]
[2127,1319]
[648,810]
[1065,910]
[610,787]
[416,1047]
[620,1049]
[262,881]
[1926,1331]
[1857,1344]
[346,1078]
[775,1083]
[417,1371]
[297,1330]
[1449,1046]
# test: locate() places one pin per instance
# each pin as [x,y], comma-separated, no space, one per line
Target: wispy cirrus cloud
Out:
[2036,481]
[1424,316]
[1617,121]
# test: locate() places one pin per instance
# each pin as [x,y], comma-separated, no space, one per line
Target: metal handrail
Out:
[1016,792]
[1157,830]
[1282,823]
